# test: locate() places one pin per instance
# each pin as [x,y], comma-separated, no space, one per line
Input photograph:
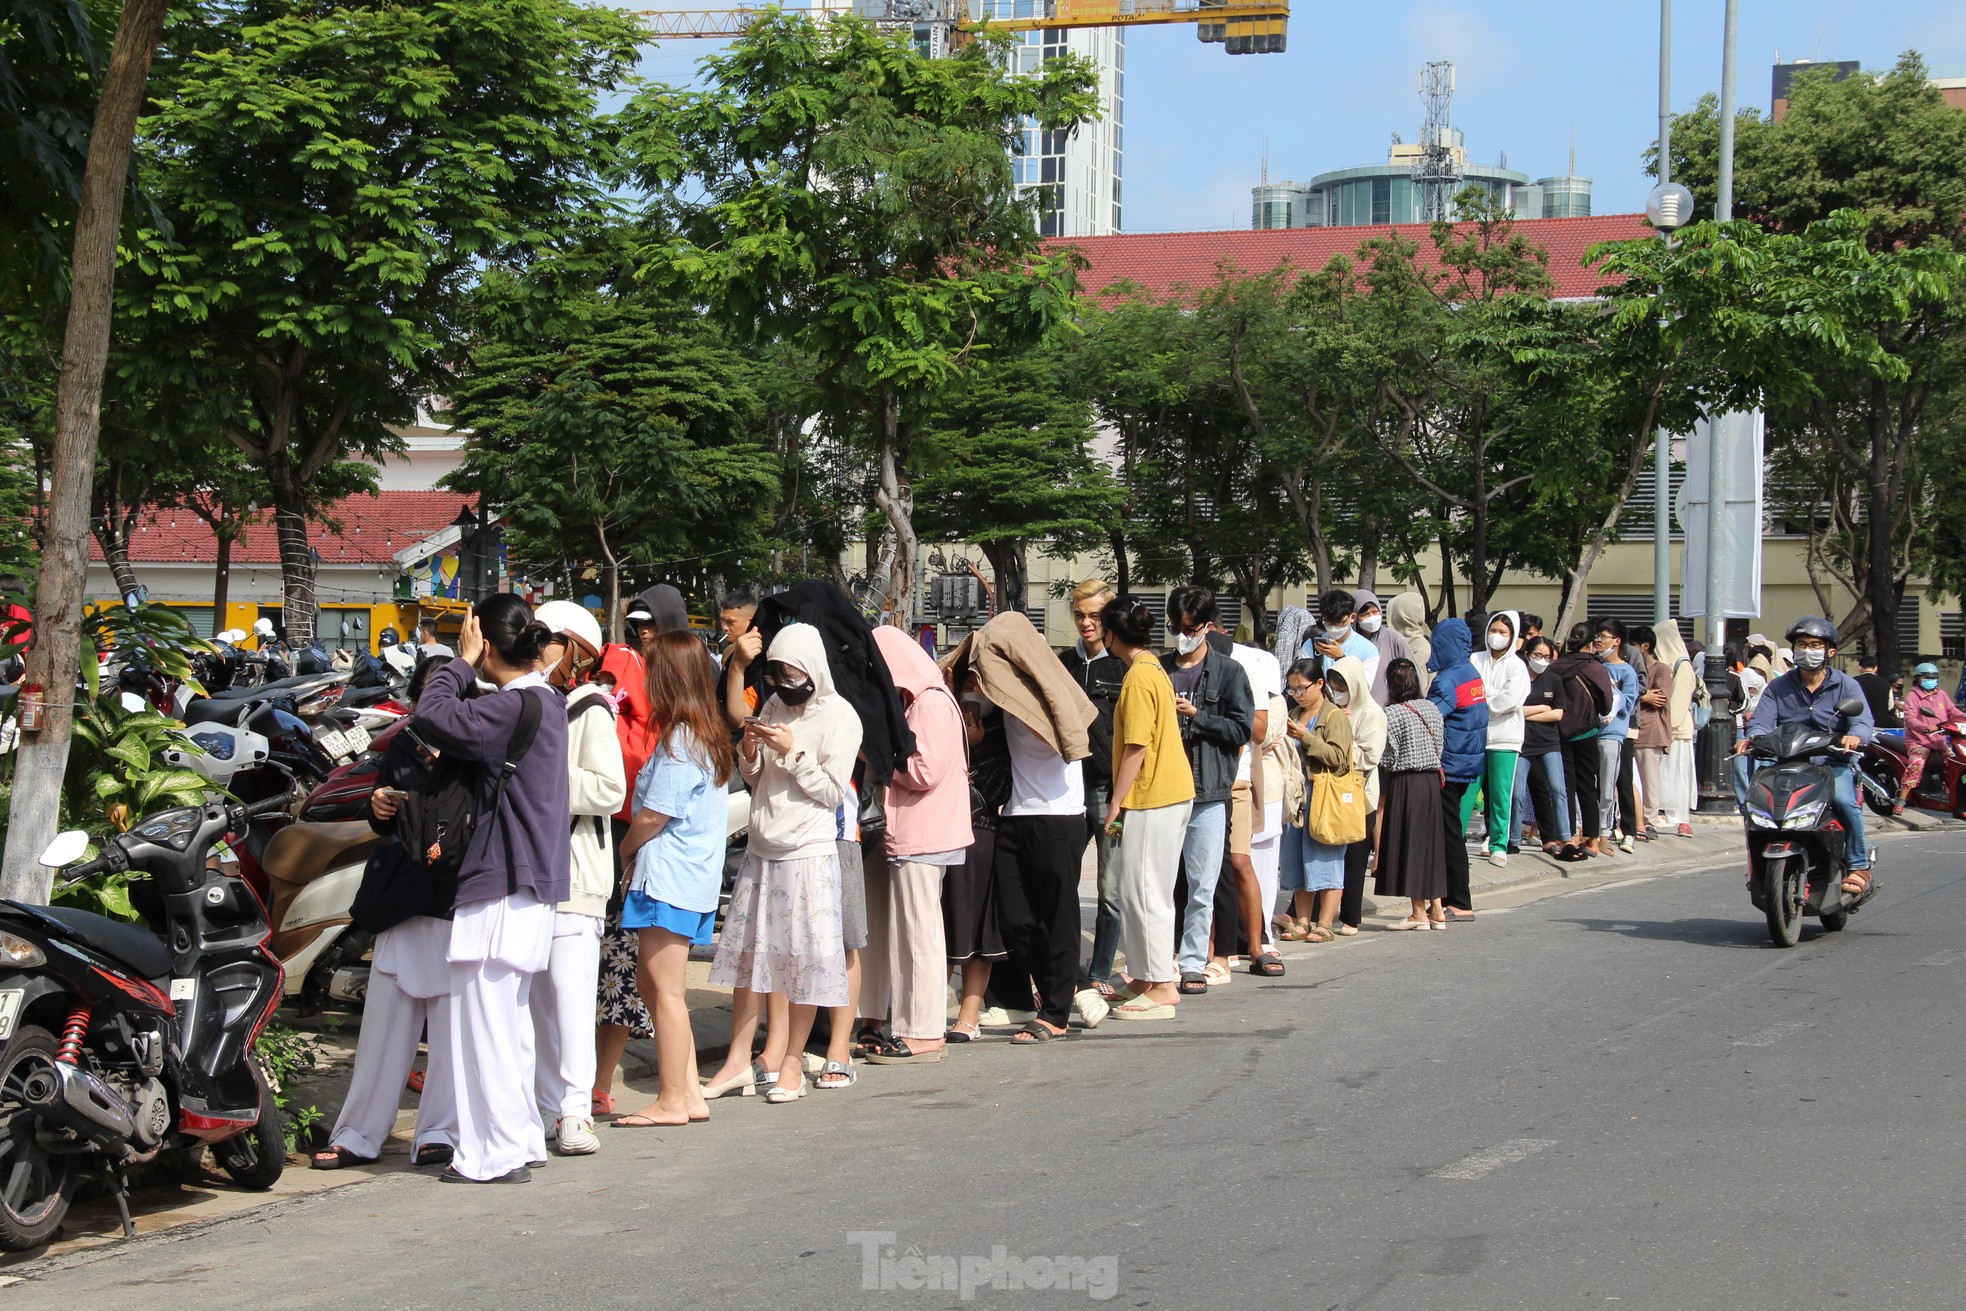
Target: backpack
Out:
[436,822]
[1702,702]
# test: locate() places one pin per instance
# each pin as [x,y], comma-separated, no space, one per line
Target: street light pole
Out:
[1717,742]
[1661,441]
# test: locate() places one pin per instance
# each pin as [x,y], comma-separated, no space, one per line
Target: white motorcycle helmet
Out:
[576,621]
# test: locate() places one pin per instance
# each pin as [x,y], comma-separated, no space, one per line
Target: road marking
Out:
[1771,1035]
[1490,1159]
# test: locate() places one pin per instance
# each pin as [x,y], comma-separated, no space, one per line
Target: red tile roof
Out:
[372,529]
[1166,262]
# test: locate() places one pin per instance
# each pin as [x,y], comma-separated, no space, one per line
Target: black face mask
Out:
[792,694]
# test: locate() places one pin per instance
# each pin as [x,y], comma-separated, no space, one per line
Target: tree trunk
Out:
[1013,572]
[1478,535]
[1122,581]
[1880,578]
[113,519]
[897,501]
[1368,556]
[42,758]
[113,537]
[1446,578]
[227,533]
[298,610]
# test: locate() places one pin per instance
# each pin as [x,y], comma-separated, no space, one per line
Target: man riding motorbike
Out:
[1809,694]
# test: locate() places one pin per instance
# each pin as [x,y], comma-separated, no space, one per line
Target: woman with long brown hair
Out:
[673,860]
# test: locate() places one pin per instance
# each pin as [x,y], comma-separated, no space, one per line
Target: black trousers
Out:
[1037,875]
[1351,906]
[1580,770]
[1459,894]
[1627,794]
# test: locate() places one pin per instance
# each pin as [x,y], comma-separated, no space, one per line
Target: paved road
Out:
[1619,1095]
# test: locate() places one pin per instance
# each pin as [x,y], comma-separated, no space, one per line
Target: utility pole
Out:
[1662,441]
[1717,741]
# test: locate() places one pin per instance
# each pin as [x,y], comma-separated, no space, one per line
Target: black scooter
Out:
[1797,857]
[121,1042]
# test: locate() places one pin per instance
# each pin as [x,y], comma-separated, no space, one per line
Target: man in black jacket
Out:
[1100,673]
[1217,712]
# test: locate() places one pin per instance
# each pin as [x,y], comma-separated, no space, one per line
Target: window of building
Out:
[1382,200]
[1952,636]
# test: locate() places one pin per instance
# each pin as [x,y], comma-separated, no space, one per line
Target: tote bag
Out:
[1337,811]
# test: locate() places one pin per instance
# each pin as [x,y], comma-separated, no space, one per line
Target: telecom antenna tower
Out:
[1437,170]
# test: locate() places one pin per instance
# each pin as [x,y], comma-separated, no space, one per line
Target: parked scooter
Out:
[121,1040]
[1797,858]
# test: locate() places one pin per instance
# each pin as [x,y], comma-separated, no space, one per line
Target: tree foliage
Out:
[332,179]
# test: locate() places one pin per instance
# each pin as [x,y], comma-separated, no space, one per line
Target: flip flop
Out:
[1192,985]
[433,1154]
[1267,966]
[1138,1006]
[1034,1033]
[337,1158]
[636,1120]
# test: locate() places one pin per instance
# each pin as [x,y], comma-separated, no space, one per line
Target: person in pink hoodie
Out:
[1927,711]
[905,968]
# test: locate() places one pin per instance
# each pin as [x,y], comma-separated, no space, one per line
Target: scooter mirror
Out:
[131,702]
[1849,707]
[66,849]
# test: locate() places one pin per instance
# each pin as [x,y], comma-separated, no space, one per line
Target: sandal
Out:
[867,1041]
[415,1082]
[1218,974]
[1192,985]
[1267,966]
[844,1075]
[337,1158]
[1034,1033]
[957,1033]
[603,1102]
[1860,877]
[1299,931]
[433,1154]
[1319,933]
[898,1052]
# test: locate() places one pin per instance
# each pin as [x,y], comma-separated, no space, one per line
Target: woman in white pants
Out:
[562,1001]
[1153,795]
[515,871]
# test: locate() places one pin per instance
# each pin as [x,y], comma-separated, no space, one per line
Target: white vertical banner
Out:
[1741,435]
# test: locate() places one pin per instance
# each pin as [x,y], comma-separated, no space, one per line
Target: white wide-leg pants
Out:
[562,1006]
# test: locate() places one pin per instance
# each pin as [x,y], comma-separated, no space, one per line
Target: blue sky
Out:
[1529,74]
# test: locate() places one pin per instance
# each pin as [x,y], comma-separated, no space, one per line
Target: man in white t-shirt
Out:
[1255,822]
[1040,842]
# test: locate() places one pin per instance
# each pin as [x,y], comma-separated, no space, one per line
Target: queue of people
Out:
[915,819]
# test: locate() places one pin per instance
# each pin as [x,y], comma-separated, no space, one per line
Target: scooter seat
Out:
[132,944]
[301,853]
[212,711]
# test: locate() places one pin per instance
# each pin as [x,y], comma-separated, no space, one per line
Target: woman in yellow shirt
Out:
[1153,792]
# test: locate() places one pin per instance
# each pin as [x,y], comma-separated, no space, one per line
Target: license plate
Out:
[334,744]
[9,1010]
[358,740]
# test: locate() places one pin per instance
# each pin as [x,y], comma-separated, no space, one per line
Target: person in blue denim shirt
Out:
[1809,694]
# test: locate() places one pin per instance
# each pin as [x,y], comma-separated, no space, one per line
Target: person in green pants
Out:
[1506,681]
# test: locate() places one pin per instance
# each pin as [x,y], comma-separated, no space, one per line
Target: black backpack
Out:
[436,822]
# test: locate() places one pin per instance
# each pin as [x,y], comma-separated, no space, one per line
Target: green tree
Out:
[332,180]
[53,54]
[620,445]
[837,190]
[1007,464]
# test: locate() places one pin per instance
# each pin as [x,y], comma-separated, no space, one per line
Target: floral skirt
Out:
[783,931]
[621,1000]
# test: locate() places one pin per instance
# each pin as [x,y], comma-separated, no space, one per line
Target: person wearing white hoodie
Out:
[1505,681]
[784,932]
[562,999]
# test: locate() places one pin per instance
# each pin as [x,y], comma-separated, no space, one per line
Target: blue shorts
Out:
[641,911]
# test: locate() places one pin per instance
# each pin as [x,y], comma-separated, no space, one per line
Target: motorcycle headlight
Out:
[1761,818]
[1804,816]
[21,953]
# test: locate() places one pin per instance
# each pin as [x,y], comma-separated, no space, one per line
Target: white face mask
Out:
[1369,624]
[1498,641]
[1339,698]
[1538,666]
[1189,643]
[1811,658]
[1338,633]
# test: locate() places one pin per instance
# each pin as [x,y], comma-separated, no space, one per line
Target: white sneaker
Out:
[1092,1006]
[575,1136]
[997,1017]
[1626,845]
[1498,858]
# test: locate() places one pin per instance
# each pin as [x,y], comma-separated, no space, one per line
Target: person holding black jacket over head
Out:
[515,871]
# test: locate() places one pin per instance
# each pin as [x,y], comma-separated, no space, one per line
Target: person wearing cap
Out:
[1810,694]
[1927,712]
[562,998]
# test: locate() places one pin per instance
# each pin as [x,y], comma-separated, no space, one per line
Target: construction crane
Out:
[1242,27]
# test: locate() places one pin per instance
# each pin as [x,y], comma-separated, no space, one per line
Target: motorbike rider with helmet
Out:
[1809,694]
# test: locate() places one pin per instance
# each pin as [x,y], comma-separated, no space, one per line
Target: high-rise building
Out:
[1076,175]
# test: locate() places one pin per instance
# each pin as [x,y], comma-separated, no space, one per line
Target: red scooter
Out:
[1939,788]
